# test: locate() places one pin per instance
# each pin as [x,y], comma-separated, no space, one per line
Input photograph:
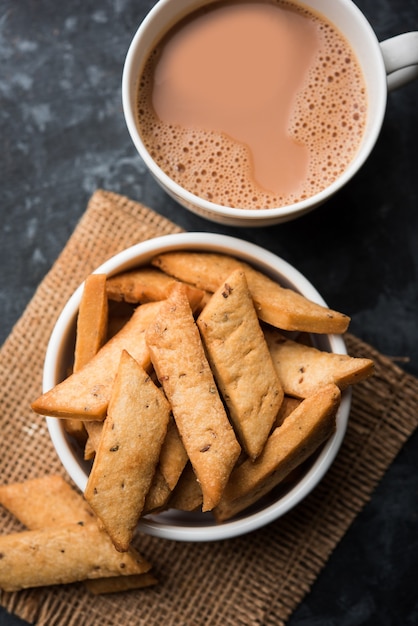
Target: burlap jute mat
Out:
[258,579]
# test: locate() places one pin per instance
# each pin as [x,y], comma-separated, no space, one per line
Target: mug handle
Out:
[400,56]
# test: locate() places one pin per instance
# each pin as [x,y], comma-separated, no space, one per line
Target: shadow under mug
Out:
[386,66]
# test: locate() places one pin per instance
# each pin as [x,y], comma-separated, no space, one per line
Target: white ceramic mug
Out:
[385,65]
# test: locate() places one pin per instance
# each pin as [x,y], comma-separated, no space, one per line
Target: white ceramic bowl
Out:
[174,524]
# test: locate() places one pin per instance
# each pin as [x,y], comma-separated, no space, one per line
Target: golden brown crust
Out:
[62,554]
[173,456]
[86,393]
[187,495]
[280,307]
[301,433]
[91,320]
[50,501]
[158,494]
[178,357]
[46,501]
[303,369]
[92,324]
[128,452]
[241,362]
[147,284]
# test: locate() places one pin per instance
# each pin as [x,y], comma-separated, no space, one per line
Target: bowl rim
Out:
[160,526]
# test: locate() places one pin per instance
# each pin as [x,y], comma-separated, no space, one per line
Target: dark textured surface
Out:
[63,135]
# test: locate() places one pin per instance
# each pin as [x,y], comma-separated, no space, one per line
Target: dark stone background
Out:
[62,135]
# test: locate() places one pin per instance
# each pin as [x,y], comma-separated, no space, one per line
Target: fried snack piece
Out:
[241,362]
[86,393]
[53,502]
[280,307]
[290,444]
[158,494]
[94,430]
[303,369]
[46,501]
[90,336]
[147,284]
[179,360]
[62,554]
[288,405]
[187,494]
[173,456]
[115,584]
[128,452]
[91,321]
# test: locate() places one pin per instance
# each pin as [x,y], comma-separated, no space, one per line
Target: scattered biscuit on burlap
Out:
[49,501]
[45,501]
[173,455]
[147,284]
[62,554]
